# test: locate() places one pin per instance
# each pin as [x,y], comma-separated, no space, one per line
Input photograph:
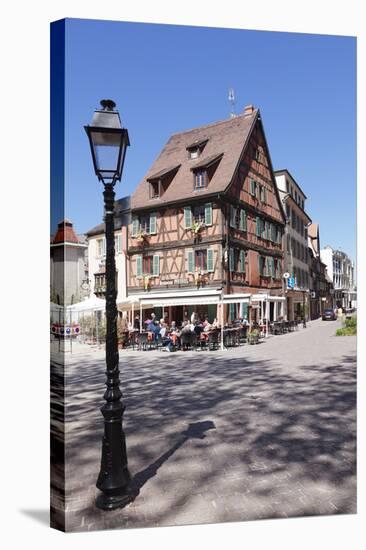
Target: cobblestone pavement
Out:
[256,432]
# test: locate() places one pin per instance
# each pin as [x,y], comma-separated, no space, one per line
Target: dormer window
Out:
[196,148]
[159,182]
[155,189]
[204,170]
[200,179]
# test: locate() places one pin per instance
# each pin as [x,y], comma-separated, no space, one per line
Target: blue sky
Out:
[167,78]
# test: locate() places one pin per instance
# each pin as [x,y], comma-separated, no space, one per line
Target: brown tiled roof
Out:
[207,161]
[164,172]
[226,138]
[65,233]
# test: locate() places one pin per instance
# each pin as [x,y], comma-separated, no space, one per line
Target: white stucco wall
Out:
[95,260]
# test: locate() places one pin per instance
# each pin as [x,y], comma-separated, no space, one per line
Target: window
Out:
[145,224]
[196,148]
[287,186]
[253,187]
[117,244]
[151,265]
[101,247]
[238,218]
[237,260]
[200,260]
[194,153]
[200,179]
[155,189]
[261,265]
[148,265]
[262,193]
[199,214]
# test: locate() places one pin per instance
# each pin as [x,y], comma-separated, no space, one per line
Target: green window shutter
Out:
[273,267]
[264,195]
[152,230]
[138,266]
[242,261]
[263,229]
[252,187]
[210,260]
[232,312]
[208,214]
[135,227]
[156,265]
[190,261]
[273,233]
[187,217]
[243,220]
[232,216]
[267,268]
[258,226]
[231,259]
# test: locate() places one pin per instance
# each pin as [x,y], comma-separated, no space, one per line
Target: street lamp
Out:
[108,143]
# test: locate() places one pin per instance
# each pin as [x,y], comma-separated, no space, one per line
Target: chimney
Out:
[248,110]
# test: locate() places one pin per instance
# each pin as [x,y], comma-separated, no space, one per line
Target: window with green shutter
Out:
[208,214]
[210,260]
[268,266]
[138,266]
[152,224]
[231,259]
[187,217]
[273,232]
[135,227]
[156,265]
[242,261]
[258,226]
[190,261]
[243,220]
[232,312]
[253,186]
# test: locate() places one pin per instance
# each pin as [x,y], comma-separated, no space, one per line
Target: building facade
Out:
[296,257]
[341,270]
[321,285]
[207,219]
[68,265]
[97,253]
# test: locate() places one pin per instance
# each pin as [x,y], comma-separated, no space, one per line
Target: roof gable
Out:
[225,139]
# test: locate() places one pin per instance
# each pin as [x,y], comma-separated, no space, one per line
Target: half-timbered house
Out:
[207,221]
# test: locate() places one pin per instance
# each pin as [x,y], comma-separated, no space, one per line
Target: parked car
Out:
[329,315]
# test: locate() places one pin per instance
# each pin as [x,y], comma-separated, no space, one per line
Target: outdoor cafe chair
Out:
[213,340]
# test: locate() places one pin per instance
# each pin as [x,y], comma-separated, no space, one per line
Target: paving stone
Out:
[281,442]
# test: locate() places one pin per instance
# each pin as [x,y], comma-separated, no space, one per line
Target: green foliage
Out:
[349,328]
[352,322]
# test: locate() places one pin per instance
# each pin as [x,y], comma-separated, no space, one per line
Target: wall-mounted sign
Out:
[291,282]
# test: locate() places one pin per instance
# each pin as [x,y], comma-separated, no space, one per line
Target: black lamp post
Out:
[108,144]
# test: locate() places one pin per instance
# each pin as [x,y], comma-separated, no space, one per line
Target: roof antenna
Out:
[231,98]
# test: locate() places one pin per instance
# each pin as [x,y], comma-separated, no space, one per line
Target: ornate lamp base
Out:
[105,502]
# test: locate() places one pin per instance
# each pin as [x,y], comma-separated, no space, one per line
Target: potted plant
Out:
[146,282]
[141,236]
[196,227]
